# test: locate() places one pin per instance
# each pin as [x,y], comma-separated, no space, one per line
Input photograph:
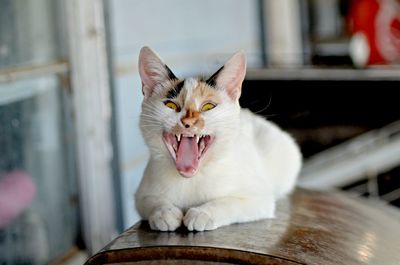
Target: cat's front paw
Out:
[198,220]
[166,218]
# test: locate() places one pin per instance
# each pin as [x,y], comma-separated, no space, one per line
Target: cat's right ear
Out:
[152,71]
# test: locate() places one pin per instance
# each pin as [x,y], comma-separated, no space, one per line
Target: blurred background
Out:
[71,154]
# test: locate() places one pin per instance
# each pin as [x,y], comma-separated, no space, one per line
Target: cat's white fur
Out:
[250,165]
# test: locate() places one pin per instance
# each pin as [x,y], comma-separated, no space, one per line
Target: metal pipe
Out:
[12,74]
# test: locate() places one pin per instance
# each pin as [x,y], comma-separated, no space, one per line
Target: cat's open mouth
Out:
[187,150]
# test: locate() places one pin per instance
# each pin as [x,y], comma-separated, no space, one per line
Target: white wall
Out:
[193,37]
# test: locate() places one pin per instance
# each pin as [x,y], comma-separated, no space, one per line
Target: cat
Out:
[211,162]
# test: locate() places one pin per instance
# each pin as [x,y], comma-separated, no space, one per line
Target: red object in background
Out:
[17,191]
[375,27]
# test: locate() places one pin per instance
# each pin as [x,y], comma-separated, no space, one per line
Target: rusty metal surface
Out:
[310,228]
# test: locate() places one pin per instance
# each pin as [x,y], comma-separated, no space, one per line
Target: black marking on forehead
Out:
[174,92]
[171,75]
[211,81]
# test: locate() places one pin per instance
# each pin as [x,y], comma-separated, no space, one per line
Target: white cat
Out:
[211,163]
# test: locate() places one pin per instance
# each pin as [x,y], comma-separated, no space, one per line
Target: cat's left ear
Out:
[152,70]
[231,75]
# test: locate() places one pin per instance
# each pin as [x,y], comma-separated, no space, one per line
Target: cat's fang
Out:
[178,137]
[197,138]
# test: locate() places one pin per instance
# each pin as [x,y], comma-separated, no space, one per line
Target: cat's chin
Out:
[187,150]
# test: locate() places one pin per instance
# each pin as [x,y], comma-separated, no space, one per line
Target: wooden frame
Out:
[92,104]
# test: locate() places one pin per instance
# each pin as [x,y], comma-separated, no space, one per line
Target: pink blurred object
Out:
[17,191]
[375,28]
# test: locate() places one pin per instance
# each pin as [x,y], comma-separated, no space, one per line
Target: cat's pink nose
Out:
[190,118]
[188,122]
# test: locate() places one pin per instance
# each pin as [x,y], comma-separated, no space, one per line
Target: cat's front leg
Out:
[166,218]
[228,210]
[162,215]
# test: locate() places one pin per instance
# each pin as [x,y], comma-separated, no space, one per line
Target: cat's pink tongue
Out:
[187,156]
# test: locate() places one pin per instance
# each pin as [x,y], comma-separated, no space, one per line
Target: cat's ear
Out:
[231,75]
[152,71]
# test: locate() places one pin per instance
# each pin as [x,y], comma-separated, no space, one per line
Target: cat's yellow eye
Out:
[207,106]
[171,105]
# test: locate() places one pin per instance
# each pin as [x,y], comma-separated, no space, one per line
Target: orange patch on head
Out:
[192,99]
[206,92]
[200,95]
